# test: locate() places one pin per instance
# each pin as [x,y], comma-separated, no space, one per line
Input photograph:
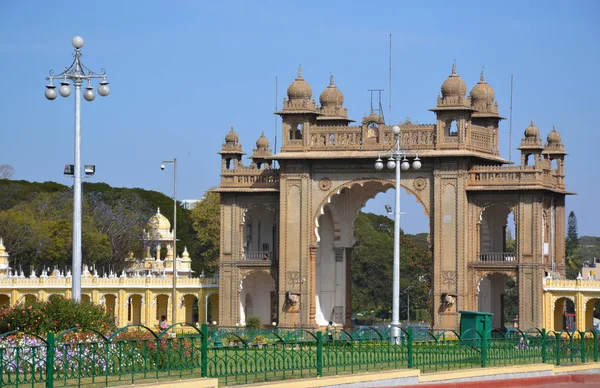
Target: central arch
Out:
[334,234]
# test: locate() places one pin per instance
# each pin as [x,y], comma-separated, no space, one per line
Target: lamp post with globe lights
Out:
[398,161]
[77,73]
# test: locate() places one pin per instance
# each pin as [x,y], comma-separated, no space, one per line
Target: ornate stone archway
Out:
[324,157]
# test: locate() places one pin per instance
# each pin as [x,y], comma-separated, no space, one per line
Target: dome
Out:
[331,96]
[454,86]
[262,142]
[554,136]
[532,131]
[160,222]
[482,92]
[299,89]
[231,137]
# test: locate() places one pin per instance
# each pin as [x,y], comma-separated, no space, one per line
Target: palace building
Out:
[141,294]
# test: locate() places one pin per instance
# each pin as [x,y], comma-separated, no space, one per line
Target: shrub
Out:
[253,323]
[57,314]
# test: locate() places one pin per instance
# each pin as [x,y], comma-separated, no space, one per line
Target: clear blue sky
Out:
[183,72]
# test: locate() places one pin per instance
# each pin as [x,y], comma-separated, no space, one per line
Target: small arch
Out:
[564,314]
[4,300]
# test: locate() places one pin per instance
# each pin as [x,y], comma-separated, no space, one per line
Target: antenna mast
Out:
[390,79]
[276,97]
[510,121]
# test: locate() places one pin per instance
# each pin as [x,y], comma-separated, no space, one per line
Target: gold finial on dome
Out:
[331,80]
[2,247]
[454,67]
[300,71]
[185,253]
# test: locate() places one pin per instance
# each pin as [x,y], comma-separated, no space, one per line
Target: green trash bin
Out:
[475,320]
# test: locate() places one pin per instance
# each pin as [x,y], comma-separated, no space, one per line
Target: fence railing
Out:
[497,256]
[136,354]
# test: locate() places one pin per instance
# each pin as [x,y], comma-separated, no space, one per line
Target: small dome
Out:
[262,143]
[554,136]
[299,89]
[331,96]
[454,86]
[160,222]
[532,131]
[232,137]
[482,92]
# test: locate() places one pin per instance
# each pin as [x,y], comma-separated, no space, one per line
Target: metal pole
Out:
[76,263]
[174,307]
[395,330]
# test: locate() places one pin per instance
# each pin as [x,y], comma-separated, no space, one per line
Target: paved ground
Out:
[556,381]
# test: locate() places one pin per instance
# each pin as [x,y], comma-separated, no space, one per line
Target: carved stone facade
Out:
[326,175]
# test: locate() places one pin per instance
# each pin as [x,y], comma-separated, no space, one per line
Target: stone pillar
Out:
[202,302]
[312,276]
[121,308]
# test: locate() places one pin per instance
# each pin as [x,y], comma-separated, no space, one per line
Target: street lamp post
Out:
[77,73]
[174,297]
[397,161]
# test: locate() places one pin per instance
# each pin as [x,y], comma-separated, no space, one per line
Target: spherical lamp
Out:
[89,94]
[391,163]
[416,163]
[50,92]
[379,164]
[65,89]
[103,88]
[396,129]
[77,42]
[404,165]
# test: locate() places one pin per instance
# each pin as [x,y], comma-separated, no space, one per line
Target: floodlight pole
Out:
[174,297]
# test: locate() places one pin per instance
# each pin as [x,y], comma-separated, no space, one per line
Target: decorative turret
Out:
[555,150]
[299,112]
[453,112]
[482,99]
[231,151]
[4,268]
[261,152]
[332,106]
[531,144]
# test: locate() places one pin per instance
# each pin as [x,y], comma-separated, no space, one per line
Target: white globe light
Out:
[417,163]
[391,164]
[65,89]
[103,89]
[405,165]
[396,129]
[89,94]
[77,42]
[50,92]
[378,164]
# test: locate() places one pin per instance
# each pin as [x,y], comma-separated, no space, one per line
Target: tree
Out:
[573,259]
[6,171]
[372,269]
[206,218]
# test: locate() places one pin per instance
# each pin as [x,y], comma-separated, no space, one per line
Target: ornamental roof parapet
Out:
[95,282]
[247,177]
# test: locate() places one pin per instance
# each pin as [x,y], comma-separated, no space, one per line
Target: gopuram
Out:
[287,232]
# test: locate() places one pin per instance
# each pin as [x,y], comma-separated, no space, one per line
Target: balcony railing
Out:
[497,256]
[258,255]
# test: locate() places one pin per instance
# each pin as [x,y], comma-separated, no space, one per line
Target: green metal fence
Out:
[136,354]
